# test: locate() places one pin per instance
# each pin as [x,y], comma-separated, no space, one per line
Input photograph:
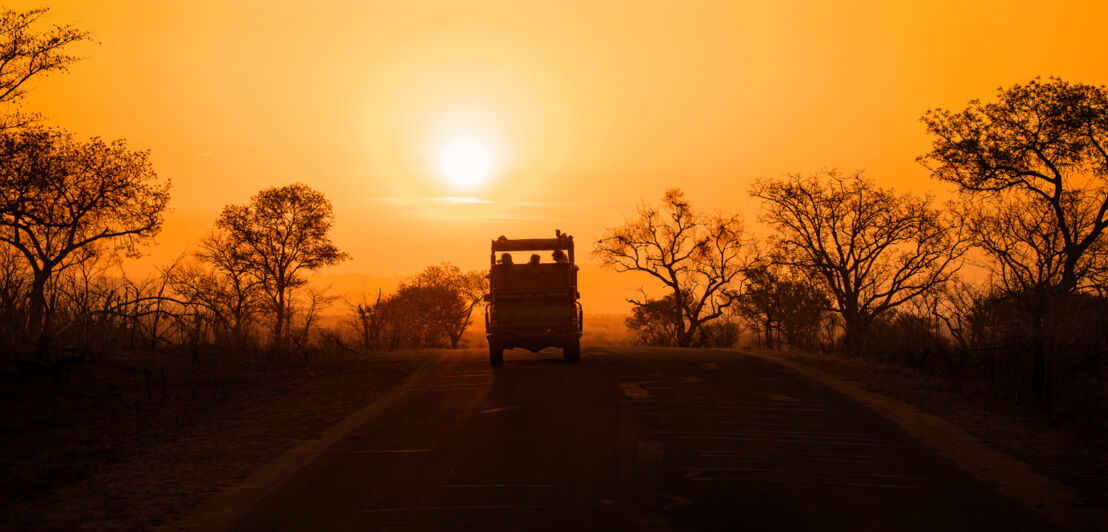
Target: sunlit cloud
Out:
[470,208]
[456,200]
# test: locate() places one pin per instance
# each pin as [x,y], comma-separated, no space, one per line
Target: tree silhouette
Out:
[1032,167]
[234,294]
[461,293]
[697,257]
[871,249]
[655,321]
[1040,153]
[63,201]
[25,54]
[279,235]
[220,290]
[780,304]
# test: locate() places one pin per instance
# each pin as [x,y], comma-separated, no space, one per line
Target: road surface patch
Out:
[481,507]
[634,390]
[500,409]
[499,486]
[650,450]
[377,451]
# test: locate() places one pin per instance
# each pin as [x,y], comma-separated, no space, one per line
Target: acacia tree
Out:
[26,54]
[699,258]
[63,201]
[1033,168]
[1029,252]
[1040,153]
[872,250]
[279,235]
[464,291]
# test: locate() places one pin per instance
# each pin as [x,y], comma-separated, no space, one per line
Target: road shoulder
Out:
[1010,476]
[221,510]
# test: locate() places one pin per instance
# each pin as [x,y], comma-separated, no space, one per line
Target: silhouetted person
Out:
[506,259]
[560,256]
[535,258]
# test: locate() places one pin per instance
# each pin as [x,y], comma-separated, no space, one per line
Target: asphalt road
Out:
[628,439]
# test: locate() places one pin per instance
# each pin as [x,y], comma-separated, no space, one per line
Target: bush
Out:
[908,339]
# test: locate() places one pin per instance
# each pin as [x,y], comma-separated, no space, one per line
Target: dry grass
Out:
[135,440]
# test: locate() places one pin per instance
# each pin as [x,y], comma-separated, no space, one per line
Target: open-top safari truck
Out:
[532,302]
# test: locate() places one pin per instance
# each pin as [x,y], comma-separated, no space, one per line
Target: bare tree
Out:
[279,235]
[224,287]
[309,302]
[14,286]
[26,54]
[699,258]
[63,200]
[957,306]
[1040,151]
[871,249]
[366,317]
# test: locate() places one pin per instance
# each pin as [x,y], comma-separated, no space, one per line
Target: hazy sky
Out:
[582,108]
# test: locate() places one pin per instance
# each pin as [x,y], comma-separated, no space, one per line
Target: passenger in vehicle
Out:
[560,256]
[506,259]
[535,259]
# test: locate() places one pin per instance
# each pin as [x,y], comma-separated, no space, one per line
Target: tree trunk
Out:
[279,323]
[689,336]
[854,334]
[37,325]
[1069,274]
[366,328]
[153,344]
[769,333]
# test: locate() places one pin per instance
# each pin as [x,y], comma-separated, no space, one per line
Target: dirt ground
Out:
[136,440]
[1075,458]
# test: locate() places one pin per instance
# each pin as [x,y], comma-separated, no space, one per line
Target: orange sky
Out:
[586,107]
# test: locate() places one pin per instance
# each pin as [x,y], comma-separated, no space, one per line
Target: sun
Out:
[466,163]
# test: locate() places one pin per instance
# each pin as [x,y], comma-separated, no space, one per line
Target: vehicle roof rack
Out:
[533,244]
[561,241]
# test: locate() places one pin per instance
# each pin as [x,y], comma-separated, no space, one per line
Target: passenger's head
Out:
[506,258]
[560,256]
[535,258]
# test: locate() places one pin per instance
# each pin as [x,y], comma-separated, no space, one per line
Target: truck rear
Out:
[533,302]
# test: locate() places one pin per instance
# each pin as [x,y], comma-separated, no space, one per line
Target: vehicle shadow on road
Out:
[522,358]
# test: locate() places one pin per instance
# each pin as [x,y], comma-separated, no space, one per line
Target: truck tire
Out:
[496,354]
[572,351]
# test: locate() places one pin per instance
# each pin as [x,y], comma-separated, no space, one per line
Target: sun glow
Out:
[466,163]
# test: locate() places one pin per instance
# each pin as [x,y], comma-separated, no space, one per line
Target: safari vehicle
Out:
[532,301]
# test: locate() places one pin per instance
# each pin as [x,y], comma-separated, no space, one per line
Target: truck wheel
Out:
[572,351]
[496,354]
